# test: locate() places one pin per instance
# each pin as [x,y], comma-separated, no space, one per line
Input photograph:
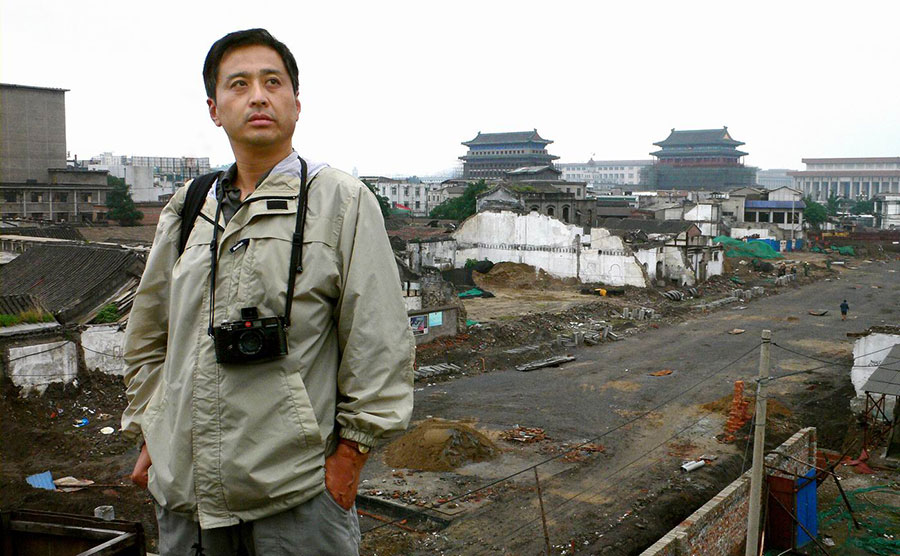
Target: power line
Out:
[589,441]
[610,475]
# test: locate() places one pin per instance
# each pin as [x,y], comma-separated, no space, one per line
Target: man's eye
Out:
[238,83]
[274,81]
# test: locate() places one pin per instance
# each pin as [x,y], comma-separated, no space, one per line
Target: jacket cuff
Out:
[358,436]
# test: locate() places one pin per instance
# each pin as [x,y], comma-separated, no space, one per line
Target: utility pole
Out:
[759,440]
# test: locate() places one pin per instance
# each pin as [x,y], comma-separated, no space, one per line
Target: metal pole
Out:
[537,482]
[759,440]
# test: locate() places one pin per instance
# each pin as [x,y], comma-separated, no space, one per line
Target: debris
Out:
[80,423]
[429,371]
[736,331]
[41,480]
[438,445]
[664,372]
[525,435]
[707,458]
[71,484]
[828,541]
[106,513]
[555,361]
[674,295]
[107,430]
[817,312]
[689,466]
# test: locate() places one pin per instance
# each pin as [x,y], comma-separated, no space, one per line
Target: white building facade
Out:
[417,196]
[604,174]
[850,178]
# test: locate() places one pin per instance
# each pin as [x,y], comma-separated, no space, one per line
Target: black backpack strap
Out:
[193,204]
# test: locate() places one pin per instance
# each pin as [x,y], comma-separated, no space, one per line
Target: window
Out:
[61,197]
[778,217]
[87,197]
[36,197]
[763,217]
[10,196]
[418,205]
[750,216]
[38,215]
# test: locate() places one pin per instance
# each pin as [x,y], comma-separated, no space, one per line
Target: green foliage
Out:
[108,313]
[863,207]
[815,214]
[113,180]
[25,317]
[832,204]
[121,205]
[382,201]
[461,207]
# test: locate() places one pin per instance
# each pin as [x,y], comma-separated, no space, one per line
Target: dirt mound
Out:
[438,445]
[519,276]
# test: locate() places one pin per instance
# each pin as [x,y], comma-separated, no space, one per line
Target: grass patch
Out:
[32,316]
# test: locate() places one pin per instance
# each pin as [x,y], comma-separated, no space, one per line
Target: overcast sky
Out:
[394,87]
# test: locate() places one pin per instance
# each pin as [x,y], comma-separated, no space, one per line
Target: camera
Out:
[251,339]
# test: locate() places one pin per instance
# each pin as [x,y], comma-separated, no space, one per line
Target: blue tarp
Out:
[41,480]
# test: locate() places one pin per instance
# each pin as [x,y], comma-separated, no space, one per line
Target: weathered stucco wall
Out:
[439,254]
[35,367]
[102,345]
[548,244]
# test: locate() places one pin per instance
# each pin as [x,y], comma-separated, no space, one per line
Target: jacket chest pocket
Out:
[262,263]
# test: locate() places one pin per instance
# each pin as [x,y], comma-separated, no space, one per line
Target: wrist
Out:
[355,446]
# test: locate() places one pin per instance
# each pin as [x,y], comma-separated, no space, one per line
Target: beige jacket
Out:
[241,442]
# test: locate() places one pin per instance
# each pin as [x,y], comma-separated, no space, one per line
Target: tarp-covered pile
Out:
[738,248]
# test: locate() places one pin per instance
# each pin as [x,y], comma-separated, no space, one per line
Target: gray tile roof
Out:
[646,226]
[507,137]
[71,281]
[699,137]
[55,232]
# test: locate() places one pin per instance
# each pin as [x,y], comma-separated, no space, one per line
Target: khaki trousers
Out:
[319,526]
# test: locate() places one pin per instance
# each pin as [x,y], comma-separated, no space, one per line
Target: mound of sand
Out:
[438,445]
[519,276]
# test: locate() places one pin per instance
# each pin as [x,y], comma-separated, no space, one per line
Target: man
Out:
[264,456]
[845,308]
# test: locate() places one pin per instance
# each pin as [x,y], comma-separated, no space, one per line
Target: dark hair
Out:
[247,37]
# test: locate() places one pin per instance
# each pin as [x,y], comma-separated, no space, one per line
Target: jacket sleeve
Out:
[375,376]
[147,332]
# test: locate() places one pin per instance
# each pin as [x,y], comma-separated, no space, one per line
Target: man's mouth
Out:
[260,119]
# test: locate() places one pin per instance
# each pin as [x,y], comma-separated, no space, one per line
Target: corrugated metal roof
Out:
[886,378]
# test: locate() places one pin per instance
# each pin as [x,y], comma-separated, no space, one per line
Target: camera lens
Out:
[250,342]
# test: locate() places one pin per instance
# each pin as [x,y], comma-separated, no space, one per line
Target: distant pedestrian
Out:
[845,307]
[805,268]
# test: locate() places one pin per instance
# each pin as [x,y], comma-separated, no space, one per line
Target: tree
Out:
[863,207]
[382,201]
[832,204]
[814,213]
[120,204]
[461,207]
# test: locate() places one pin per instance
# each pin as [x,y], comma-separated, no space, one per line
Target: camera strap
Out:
[295,265]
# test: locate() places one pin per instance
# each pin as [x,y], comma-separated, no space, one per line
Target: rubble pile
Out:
[439,445]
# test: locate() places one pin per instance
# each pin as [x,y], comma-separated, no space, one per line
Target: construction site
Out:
[574,417]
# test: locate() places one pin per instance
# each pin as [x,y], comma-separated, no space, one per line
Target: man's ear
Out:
[298,107]
[213,112]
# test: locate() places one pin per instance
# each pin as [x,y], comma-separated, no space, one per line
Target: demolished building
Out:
[598,256]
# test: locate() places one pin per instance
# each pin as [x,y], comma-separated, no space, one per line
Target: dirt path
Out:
[619,501]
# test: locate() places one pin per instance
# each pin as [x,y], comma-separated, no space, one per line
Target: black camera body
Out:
[251,339]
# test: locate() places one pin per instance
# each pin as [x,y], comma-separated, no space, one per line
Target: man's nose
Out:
[258,95]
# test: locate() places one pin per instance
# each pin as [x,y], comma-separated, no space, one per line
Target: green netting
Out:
[470,322]
[880,521]
[738,248]
[848,250]
[817,249]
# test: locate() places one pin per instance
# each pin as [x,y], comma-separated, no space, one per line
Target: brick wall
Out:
[719,528]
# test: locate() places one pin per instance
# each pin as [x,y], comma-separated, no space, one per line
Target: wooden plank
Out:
[114,546]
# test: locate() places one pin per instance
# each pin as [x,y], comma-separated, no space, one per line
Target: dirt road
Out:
[619,501]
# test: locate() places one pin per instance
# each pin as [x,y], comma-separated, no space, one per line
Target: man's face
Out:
[255,101]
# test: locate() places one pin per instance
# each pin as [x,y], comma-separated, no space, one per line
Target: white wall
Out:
[546,243]
[740,233]
[440,254]
[35,367]
[413,303]
[102,346]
